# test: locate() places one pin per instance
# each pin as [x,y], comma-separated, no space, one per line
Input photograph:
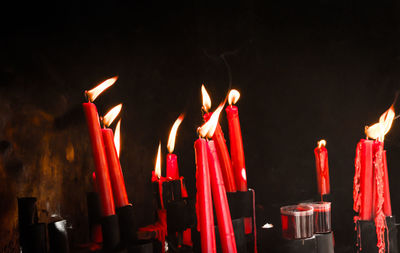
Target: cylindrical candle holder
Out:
[322,216]
[297,222]
[141,246]
[58,237]
[171,191]
[27,215]
[127,224]
[94,216]
[36,239]
[111,234]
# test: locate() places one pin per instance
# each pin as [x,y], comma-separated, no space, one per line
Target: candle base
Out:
[325,243]
[141,246]
[127,224]
[35,239]
[58,237]
[307,245]
[111,235]
[181,214]
[94,216]
[240,238]
[27,215]
[171,191]
[367,239]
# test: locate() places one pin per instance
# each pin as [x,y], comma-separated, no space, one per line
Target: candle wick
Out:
[87,96]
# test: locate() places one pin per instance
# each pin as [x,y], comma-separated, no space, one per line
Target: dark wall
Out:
[320,69]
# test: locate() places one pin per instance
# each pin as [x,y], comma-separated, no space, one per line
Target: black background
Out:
[306,70]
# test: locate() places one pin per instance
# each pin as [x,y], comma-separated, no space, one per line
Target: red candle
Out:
[387,206]
[236,143]
[223,156]
[117,179]
[204,202]
[321,161]
[366,181]
[172,167]
[99,155]
[227,236]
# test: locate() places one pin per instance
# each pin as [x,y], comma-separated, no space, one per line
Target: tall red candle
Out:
[236,143]
[387,205]
[117,179]
[321,162]
[227,236]
[99,155]
[223,156]
[204,201]
[366,179]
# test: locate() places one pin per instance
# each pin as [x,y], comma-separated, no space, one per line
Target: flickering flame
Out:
[157,168]
[96,91]
[117,137]
[380,129]
[244,174]
[233,97]
[208,128]
[206,99]
[111,115]
[172,134]
[321,143]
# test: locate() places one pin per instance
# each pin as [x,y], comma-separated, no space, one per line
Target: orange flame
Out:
[380,129]
[208,128]
[321,143]
[111,115]
[96,91]
[117,137]
[157,168]
[233,97]
[206,99]
[172,134]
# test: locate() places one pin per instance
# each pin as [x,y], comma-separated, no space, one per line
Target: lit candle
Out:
[220,144]
[321,162]
[226,234]
[99,155]
[236,143]
[117,178]
[172,159]
[156,176]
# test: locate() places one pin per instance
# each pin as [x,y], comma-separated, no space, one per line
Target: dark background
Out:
[306,70]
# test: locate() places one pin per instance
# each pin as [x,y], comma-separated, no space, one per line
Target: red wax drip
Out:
[387,205]
[183,189]
[172,167]
[321,161]
[223,156]
[117,179]
[99,155]
[236,144]
[227,236]
[380,221]
[204,208]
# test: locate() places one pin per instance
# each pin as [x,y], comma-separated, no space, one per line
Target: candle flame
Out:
[96,91]
[244,174]
[172,134]
[233,97]
[157,168]
[111,115]
[208,128]
[117,137]
[206,99]
[380,129]
[321,143]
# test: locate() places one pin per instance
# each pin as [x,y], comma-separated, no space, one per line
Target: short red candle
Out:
[114,165]
[236,143]
[366,179]
[321,162]
[227,236]
[172,167]
[387,206]
[99,155]
[204,202]
[223,156]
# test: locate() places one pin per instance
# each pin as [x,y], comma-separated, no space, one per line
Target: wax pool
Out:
[297,222]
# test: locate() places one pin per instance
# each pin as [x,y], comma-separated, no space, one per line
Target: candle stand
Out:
[367,239]
[58,237]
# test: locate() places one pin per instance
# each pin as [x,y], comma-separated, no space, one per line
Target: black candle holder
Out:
[58,237]
[366,238]
[35,239]
[94,213]
[27,216]
[171,191]
[111,233]
[127,225]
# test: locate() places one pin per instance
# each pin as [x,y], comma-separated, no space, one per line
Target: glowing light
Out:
[321,143]
[172,134]
[380,129]
[208,128]
[206,99]
[111,115]
[244,174]
[157,168]
[233,97]
[117,137]
[96,91]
